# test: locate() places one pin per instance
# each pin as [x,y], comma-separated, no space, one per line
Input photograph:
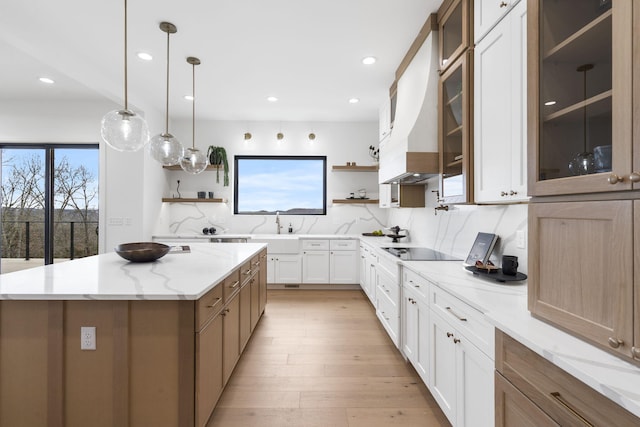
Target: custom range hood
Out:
[410,154]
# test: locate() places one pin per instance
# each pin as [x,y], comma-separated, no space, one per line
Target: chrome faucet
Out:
[278,226]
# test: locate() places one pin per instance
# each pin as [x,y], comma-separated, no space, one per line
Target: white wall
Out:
[340,142]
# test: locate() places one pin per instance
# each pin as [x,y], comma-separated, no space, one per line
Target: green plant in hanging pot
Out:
[218,156]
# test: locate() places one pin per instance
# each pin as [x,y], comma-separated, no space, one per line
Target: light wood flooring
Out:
[322,359]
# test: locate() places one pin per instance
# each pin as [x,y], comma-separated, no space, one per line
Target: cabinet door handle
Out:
[634,177]
[503,194]
[449,334]
[414,302]
[456,340]
[503,4]
[217,300]
[462,319]
[615,342]
[614,179]
[247,273]
[635,351]
[556,395]
[224,312]
[235,284]
[513,193]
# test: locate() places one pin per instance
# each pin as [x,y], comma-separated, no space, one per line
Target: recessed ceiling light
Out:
[46,80]
[188,97]
[354,100]
[368,60]
[549,103]
[145,56]
[272,99]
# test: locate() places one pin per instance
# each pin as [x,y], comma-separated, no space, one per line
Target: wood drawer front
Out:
[388,286]
[231,285]
[315,245]
[256,262]
[514,409]
[342,245]
[565,398]
[466,319]
[419,284]
[209,305]
[246,271]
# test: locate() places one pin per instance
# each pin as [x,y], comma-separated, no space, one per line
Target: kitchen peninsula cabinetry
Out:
[530,390]
[162,357]
[500,108]
[455,102]
[582,151]
[461,361]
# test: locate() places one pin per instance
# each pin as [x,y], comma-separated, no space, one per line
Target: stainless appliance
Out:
[420,254]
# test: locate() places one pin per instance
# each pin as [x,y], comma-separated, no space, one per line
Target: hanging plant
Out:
[218,156]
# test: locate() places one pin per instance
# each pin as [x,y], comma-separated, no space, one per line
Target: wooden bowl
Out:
[142,251]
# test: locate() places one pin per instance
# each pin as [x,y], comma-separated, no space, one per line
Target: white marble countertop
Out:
[160,237]
[505,306]
[185,276]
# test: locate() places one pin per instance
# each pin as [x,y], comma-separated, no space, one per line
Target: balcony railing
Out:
[65,243]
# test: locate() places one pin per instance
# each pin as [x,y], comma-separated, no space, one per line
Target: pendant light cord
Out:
[193,105]
[166,120]
[126,97]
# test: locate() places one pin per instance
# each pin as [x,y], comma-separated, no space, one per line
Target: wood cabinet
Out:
[230,337]
[245,314]
[528,386]
[454,132]
[454,20]
[209,382]
[500,108]
[581,105]
[402,196]
[262,280]
[581,269]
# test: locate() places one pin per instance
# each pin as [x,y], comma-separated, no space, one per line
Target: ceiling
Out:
[306,53]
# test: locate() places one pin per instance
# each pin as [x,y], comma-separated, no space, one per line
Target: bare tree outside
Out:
[75,207]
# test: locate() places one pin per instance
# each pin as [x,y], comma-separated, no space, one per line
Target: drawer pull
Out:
[247,273]
[614,179]
[556,395]
[215,303]
[634,177]
[456,340]
[449,334]
[414,302]
[615,342]
[235,284]
[503,4]
[462,319]
[635,352]
[224,312]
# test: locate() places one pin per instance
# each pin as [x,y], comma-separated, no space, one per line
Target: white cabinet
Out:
[315,267]
[368,263]
[284,269]
[385,200]
[387,297]
[343,266]
[461,366]
[487,13]
[384,116]
[415,325]
[500,113]
[327,261]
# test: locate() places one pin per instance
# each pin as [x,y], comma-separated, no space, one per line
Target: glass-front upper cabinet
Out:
[453,25]
[580,129]
[455,156]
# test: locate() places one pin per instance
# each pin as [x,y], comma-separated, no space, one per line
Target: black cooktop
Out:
[420,254]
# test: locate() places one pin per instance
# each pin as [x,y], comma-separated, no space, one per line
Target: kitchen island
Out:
[167,336]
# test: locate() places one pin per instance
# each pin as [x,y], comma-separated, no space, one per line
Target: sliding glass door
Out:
[49,210]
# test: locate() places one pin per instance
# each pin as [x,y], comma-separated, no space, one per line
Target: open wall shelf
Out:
[192,200]
[345,168]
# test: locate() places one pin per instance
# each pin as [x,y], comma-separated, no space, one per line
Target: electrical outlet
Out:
[87,338]
[520,240]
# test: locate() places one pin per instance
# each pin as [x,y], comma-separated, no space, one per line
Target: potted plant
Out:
[218,156]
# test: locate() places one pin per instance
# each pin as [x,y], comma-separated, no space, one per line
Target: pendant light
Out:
[164,147]
[124,130]
[194,161]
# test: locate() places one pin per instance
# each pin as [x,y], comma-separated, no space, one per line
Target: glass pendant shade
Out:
[166,149]
[124,130]
[194,161]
